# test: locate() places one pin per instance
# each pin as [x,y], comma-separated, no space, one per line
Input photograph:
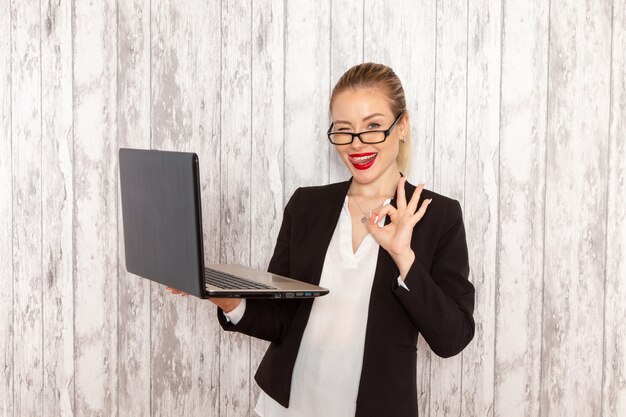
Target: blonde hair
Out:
[372,75]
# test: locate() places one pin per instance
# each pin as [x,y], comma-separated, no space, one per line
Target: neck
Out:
[385,185]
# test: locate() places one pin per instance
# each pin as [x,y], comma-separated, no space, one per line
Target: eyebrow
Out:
[364,119]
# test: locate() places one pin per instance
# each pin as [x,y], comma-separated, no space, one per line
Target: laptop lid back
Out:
[162,217]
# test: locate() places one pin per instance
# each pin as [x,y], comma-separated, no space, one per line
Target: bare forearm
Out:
[404,262]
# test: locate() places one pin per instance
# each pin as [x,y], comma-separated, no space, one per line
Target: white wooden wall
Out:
[518,109]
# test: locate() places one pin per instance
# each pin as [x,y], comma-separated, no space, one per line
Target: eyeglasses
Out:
[367,136]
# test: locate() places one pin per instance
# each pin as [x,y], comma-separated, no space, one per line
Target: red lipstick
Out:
[362,160]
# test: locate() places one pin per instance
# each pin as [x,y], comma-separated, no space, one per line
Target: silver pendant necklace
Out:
[365,217]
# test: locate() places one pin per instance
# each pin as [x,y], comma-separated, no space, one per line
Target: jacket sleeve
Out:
[270,319]
[440,302]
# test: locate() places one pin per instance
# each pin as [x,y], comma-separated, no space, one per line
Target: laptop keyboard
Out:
[231,282]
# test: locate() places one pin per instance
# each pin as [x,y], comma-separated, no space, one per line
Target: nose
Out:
[357,144]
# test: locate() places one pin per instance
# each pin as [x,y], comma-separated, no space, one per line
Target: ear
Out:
[404,124]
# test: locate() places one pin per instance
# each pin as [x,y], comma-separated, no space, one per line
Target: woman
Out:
[395,266]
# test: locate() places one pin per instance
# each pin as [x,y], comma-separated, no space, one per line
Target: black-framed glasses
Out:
[366,137]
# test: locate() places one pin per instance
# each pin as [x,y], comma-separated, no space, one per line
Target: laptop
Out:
[162,220]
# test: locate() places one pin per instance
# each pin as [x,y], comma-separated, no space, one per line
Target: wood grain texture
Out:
[266,179]
[346,37]
[449,166]
[95,208]
[57,208]
[480,213]
[235,159]
[204,90]
[520,236]
[307,81]
[517,110]
[575,218]
[346,50]
[614,381]
[6,213]
[408,47]
[185,116]
[133,130]
[27,178]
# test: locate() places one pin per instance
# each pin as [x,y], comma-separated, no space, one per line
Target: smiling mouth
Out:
[363,160]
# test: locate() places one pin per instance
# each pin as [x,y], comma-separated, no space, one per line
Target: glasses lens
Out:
[373,137]
[340,138]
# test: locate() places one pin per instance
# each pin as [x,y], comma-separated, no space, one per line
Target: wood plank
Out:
[236,173]
[409,45]
[520,251]
[307,81]
[411,25]
[346,50]
[185,115]
[266,183]
[6,212]
[576,190]
[57,208]
[449,166]
[481,214]
[614,381]
[95,210]
[204,88]
[346,37]
[26,162]
[133,130]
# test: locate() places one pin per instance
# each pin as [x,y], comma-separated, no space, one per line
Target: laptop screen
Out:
[161,217]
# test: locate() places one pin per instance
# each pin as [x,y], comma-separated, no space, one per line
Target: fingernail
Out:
[376,219]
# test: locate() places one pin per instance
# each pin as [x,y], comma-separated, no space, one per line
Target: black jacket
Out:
[439,305]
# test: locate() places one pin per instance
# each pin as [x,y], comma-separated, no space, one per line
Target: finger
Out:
[374,228]
[420,213]
[371,224]
[387,210]
[174,291]
[412,206]
[401,196]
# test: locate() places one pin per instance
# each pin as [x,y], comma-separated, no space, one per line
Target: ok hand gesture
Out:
[395,237]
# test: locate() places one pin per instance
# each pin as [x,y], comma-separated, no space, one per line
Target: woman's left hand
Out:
[395,237]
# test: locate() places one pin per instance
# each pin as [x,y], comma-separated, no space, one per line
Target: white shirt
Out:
[327,370]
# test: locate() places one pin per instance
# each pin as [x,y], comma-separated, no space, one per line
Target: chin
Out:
[364,177]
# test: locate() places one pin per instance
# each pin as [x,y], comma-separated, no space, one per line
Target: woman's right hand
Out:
[226,304]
